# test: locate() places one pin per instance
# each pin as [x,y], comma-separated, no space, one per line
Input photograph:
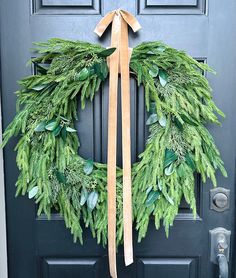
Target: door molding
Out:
[3,234]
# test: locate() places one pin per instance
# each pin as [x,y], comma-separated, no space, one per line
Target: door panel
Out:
[172,7]
[168,268]
[44,249]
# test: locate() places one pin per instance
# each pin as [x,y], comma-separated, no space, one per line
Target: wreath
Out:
[179,103]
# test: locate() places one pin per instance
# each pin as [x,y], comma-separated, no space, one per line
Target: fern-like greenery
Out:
[179,102]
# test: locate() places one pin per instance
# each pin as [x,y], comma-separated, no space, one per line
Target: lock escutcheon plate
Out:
[219,239]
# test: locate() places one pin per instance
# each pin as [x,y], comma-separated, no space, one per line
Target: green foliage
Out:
[179,100]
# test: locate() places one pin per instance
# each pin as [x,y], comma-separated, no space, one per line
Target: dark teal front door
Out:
[38,248]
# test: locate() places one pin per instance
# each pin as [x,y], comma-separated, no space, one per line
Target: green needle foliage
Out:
[179,102]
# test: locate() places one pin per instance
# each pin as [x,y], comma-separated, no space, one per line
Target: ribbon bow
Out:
[119,61]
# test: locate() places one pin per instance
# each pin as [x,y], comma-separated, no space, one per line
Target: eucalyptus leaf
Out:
[64,119]
[84,196]
[161,48]
[149,189]
[51,126]
[104,70]
[69,129]
[57,130]
[64,133]
[163,77]
[82,75]
[170,157]
[190,162]
[40,127]
[153,118]
[39,87]
[33,192]
[153,108]
[107,52]
[40,69]
[159,185]
[92,200]
[101,70]
[60,177]
[88,167]
[154,71]
[180,171]
[169,170]
[162,121]
[151,52]
[152,197]
[178,124]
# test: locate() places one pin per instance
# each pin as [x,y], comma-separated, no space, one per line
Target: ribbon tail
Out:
[126,143]
[111,149]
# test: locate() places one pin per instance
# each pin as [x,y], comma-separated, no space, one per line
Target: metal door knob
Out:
[220,243]
[223,266]
[220,200]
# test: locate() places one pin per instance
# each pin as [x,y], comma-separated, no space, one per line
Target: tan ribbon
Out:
[119,61]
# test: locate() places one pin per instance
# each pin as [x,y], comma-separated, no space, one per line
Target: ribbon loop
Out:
[108,18]
[119,61]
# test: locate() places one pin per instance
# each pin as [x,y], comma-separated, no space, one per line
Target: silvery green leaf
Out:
[169,170]
[161,48]
[152,197]
[106,52]
[154,71]
[33,192]
[69,129]
[39,87]
[162,121]
[60,177]
[64,133]
[178,124]
[190,162]
[84,196]
[40,127]
[64,119]
[92,200]
[170,157]
[180,171]
[82,75]
[163,77]
[153,118]
[57,130]
[153,108]
[149,189]
[159,185]
[51,126]
[88,167]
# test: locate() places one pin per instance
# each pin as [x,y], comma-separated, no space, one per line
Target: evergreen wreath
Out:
[179,102]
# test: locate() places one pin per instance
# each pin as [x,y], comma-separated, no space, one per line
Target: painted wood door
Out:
[206,29]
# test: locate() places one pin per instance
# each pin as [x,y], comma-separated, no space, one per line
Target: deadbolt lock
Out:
[219,199]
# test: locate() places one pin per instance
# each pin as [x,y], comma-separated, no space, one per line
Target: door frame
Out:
[3,231]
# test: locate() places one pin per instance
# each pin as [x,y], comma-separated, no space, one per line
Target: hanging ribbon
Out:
[119,61]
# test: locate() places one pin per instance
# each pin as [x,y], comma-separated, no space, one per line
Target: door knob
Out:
[220,242]
[223,266]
